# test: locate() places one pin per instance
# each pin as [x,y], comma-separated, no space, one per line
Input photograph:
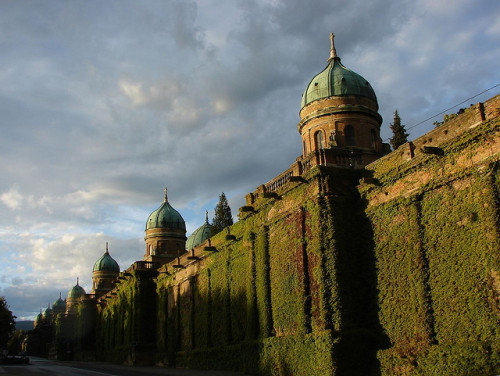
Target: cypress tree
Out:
[399,132]
[222,216]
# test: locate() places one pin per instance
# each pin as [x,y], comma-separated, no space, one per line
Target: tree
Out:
[399,132]
[222,217]
[7,323]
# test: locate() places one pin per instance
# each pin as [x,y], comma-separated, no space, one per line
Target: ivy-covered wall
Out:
[392,270]
[436,230]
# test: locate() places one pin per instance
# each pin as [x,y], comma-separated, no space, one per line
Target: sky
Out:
[104,103]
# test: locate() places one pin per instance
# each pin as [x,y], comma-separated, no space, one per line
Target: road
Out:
[41,367]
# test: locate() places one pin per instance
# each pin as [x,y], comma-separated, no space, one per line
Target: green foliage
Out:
[14,345]
[399,134]
[7,323]
[222,215]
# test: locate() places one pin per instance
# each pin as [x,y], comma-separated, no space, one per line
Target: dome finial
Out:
[206,216]
[77,281]
[107,247]
[166,198]
[333,51]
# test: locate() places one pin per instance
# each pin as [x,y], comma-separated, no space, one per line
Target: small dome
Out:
[76,292]
[39,317]
[336,80]
[166,217]
[106,263]
[199,235]
[59,305]
[47,314]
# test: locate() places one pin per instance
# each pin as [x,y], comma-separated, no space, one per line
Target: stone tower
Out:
[165,234]
[339,114]
[104,274]
[73,298]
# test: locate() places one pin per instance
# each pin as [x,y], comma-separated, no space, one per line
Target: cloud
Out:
[12,199]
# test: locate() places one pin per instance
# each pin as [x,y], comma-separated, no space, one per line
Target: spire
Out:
[333,52]
[166,198]
[206,216]
[107,247]
[60,295]
[77,281]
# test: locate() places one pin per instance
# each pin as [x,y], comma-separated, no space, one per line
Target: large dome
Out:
[76,292]
[336,80]
[199,235]
[165,217]
[106,263]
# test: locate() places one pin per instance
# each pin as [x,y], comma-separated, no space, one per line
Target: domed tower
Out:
[199,235]
[59,306]
[38,319]
[104,274]
[74,296]
[47,314]
[339,119]
[165,234]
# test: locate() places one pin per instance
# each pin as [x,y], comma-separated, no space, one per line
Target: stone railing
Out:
[143,265]
[279,181]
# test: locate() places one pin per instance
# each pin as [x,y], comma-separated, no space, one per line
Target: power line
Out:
[448,109]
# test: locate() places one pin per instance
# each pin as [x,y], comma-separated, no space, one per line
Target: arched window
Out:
[373,138]
[350,140]
[318,137]
[304,146]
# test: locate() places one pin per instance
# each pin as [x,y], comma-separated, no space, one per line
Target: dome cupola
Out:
[165,217]
[106,263]
[76,291]
[74,296]
[59,305]
[47,314]
[165,234]
[336,80]
[199,235]
[104,274]
[339,120]
[38,319]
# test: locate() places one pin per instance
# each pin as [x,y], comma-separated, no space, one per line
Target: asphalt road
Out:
[41,367]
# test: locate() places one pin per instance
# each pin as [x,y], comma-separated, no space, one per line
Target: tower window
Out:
[318,137]
[350,139]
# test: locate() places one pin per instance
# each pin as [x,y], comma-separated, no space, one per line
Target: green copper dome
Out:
[47,314]
[336,80]
[76,292]
[165,217]
[59,304]
[106,263]
[199,235]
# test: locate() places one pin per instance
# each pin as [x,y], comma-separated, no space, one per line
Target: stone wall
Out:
[391,270]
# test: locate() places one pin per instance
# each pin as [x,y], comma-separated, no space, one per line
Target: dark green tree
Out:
[222,216]
[398,131]
[7,323]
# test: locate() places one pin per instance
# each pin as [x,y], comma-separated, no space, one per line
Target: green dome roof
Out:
[165,217]
[336,80]
[199,235]
[106,263]
[59,304]
[76,292]
[47,314]
[39,317]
